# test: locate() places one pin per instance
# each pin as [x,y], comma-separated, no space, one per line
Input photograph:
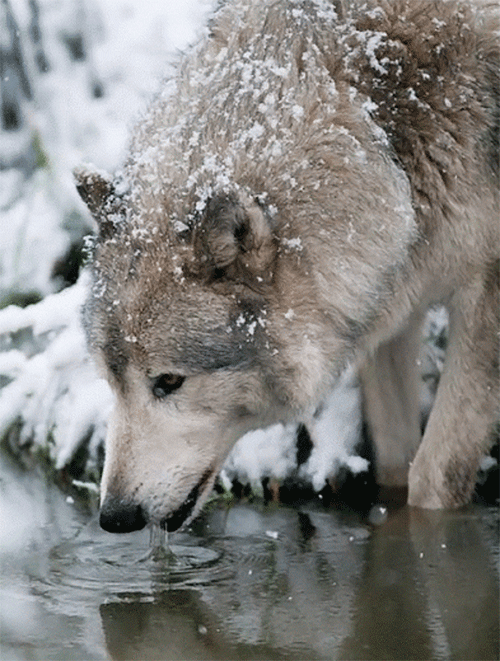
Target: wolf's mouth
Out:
[175,520]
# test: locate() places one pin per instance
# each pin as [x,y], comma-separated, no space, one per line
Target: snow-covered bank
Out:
[53,399]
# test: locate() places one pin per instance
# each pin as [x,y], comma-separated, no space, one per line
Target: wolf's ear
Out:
[235,238]
[98,192]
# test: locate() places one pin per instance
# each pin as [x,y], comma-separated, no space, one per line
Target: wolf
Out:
[314,176]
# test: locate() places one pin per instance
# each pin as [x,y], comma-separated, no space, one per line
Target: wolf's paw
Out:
[425,497]
[435,486]
[425,488]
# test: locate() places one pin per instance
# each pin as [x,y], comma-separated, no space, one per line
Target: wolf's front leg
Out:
[461,425]
[391,385]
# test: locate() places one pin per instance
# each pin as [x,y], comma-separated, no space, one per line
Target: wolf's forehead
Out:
[202,334]
[178,333]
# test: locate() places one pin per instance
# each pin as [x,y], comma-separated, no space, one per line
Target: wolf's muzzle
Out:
[119,514]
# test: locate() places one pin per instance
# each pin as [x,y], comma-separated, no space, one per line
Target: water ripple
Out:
[110,565]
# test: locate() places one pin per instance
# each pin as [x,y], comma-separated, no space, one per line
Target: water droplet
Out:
[158,542]
[377,515]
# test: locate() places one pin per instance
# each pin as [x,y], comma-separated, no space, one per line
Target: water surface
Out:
[246,582]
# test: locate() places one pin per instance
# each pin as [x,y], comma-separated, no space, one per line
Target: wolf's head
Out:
[188,321]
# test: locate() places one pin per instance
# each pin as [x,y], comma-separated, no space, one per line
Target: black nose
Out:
[120,515]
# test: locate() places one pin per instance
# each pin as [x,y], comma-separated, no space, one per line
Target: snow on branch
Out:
[52,395]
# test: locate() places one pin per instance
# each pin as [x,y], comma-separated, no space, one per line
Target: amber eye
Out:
[164,384]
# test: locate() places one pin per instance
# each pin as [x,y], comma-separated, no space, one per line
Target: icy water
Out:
[246,582]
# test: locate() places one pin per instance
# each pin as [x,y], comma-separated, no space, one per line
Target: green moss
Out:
[20,298]
[41,157]
[9,442]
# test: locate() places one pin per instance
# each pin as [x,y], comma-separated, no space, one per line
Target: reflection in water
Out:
[173,623]
[429,589]
[177,625]
[246,583]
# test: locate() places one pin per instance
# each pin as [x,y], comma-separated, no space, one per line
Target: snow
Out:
[260,454]
[373,42]
[52,397]
[335,432]
[54,393]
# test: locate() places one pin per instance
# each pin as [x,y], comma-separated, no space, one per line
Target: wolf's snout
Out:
[119,515]
[124,514]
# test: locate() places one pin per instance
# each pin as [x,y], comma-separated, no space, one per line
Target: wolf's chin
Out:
[183,513]
[196,497]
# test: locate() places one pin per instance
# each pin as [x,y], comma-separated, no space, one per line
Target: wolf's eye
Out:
[165,384]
